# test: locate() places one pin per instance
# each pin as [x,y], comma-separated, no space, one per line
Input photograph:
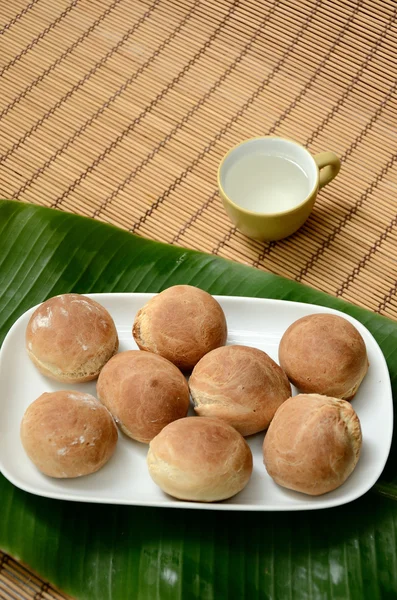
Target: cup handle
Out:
[329,166]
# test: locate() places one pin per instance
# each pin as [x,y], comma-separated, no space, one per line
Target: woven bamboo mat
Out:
[121,110]
[19,583]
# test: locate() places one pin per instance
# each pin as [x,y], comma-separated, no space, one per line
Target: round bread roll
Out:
[324,354]
[144,392]
[182,324]
[200,459]
[313,443]
[70,337]
[240,385]
[68,434]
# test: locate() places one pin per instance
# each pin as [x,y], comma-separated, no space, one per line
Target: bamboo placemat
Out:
[19,583]
[121,110]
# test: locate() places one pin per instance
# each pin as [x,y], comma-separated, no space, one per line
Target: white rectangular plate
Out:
[125,480]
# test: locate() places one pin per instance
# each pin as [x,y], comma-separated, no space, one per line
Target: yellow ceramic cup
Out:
[268,185]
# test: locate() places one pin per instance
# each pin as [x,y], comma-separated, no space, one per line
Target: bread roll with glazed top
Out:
[68,434]
[313,443]
[240,385]
[144,392]
[70,337]
[182,324]
[204,460]
[324,354]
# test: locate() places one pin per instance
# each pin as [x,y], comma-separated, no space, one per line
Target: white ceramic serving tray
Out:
[125,480]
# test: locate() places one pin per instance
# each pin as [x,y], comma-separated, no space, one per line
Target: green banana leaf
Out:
[116,552]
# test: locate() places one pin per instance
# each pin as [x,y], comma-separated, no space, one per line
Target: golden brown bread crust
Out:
[70,337]
[68,434]
[182,323]
[313,443]
[324,354]
[240,385]
[144,392]
[200,459]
